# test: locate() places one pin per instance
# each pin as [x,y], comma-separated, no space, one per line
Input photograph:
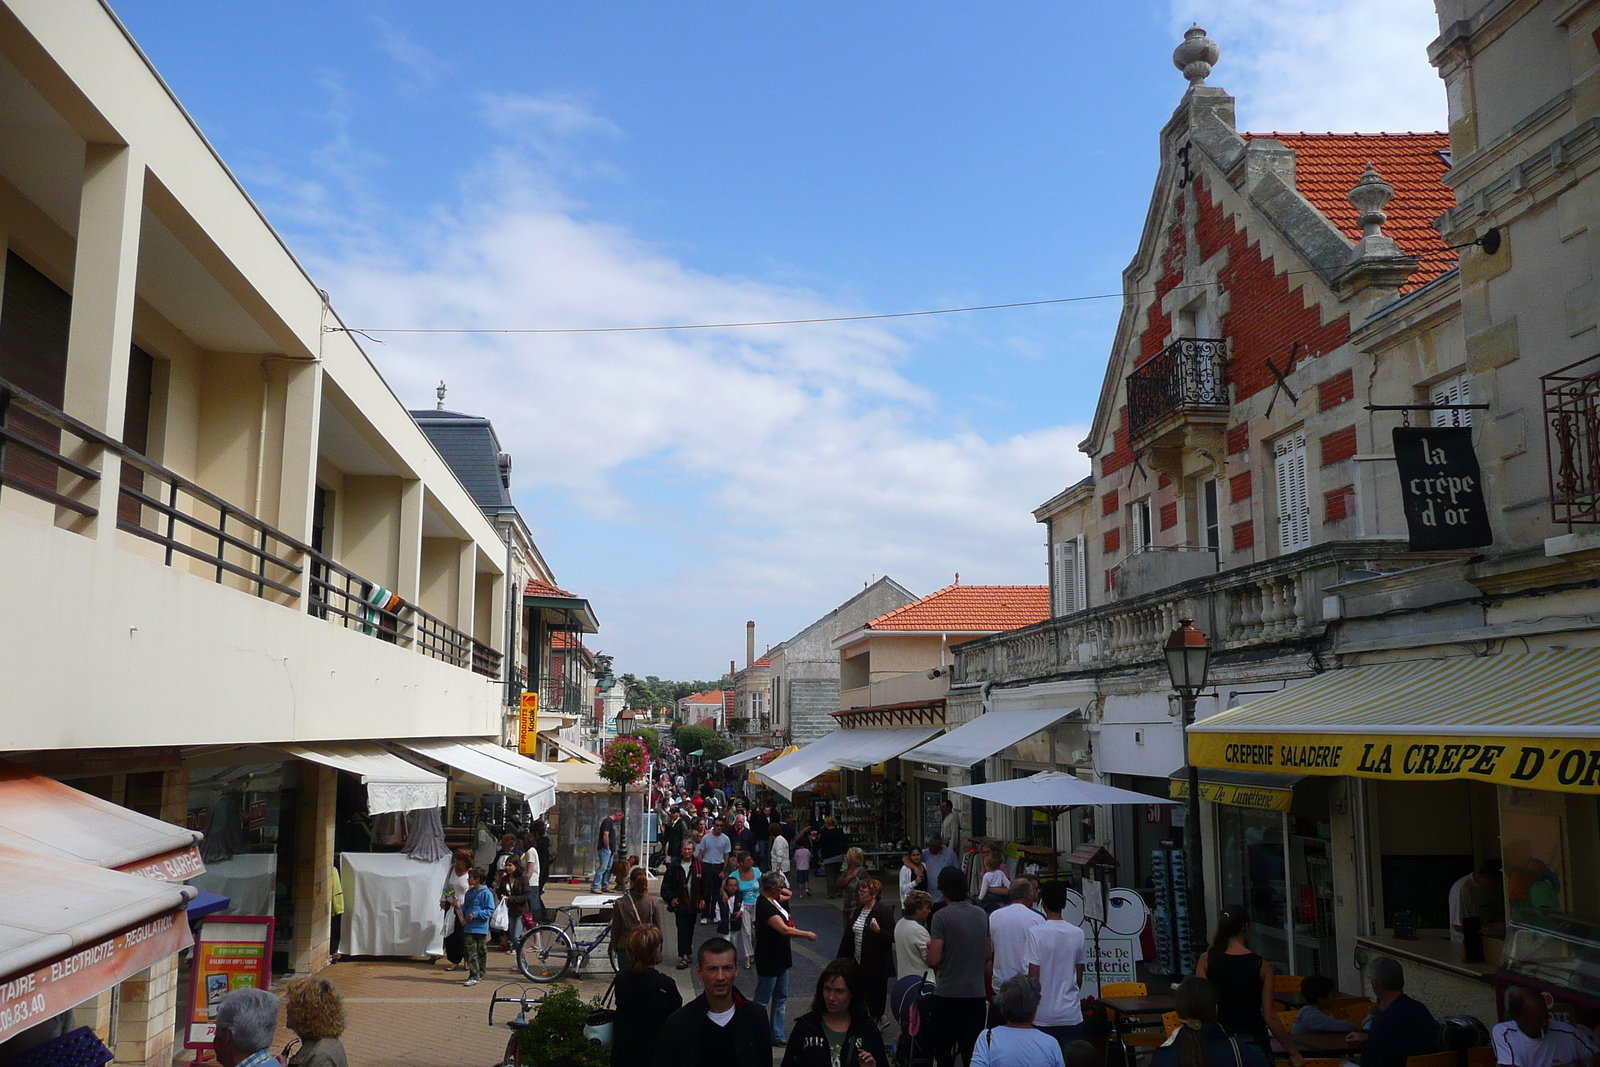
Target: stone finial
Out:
[1196,55]
[1370,195]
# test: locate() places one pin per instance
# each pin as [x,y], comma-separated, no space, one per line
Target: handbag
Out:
[501,919]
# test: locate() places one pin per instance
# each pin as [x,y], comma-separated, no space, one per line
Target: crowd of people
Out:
[472,897]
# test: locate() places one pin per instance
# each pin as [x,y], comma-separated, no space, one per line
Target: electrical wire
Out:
[368,331]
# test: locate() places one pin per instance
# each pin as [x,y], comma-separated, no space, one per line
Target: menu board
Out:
[231,952]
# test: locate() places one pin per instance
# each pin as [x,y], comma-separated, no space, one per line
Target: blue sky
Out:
[538,165]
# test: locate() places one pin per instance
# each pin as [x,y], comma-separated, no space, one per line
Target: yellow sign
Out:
[528,733]
[1569,765]
[1262,798]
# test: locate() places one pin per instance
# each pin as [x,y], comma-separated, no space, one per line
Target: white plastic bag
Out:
[501,919]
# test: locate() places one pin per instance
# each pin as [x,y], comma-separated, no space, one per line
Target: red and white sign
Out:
[34,996]
[178,865]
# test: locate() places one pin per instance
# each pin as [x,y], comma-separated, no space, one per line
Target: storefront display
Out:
[232,952]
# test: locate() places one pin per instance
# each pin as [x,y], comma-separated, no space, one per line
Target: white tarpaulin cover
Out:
[985,735]
[393,784]
[493,763]
[391,905]
[41,815]
[1053,789]
[248,879]
[842,748]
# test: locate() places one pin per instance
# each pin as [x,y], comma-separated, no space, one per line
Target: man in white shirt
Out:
[935,858]
[1054,954]
[1008,930]
[1476,896]
[1531,1039]
[949,829]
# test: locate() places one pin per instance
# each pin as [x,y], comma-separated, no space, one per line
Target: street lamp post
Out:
[625,724]
[1188,660]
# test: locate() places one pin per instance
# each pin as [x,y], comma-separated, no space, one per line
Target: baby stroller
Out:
[911,1001]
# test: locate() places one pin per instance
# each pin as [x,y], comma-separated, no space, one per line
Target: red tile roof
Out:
[712,697]
[970,609]
[538,588]
[762,662]
[565,639]
[1327,165]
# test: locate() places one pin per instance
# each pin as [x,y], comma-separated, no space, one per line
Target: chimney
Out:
[749,642]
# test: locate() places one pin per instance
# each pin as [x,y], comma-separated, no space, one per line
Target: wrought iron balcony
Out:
[1572,442]
[1189,376]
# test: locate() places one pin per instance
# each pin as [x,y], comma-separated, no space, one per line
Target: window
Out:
[1294,507]
[758,706]
[1139,518]
[1070,577]
[1454,390]
[1210,528]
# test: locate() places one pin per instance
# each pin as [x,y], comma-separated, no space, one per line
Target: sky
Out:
[540,165]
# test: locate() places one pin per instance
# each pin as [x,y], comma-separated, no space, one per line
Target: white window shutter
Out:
[1066,576]
[1081,574]
[1294,504]
[1456,390]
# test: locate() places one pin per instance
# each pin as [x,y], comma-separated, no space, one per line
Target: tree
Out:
[718,746]
[651,739]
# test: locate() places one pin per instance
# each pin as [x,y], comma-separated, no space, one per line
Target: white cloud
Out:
[560,114]
[1319,65]
[809,461]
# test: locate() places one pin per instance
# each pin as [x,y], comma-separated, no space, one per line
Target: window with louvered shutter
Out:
[1456,390]
[1069,576]
[1294,499]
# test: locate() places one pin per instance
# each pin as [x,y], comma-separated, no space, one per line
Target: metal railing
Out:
[1572,442]
[1190,372]
[485,660]
[153,502]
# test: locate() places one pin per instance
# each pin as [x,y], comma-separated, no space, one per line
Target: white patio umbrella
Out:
[1054,792]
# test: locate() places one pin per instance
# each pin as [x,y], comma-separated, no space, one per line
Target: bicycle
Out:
[517,1025]
[550,952]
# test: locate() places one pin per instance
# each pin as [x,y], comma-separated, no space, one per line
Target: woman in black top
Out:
[774,957]
[837,1029]
[645,998]
[869,940]
[1201,1042]
[1243,984]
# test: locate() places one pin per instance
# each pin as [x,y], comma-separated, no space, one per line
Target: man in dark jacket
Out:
[680,892]
[719,1028]
[1401,1027]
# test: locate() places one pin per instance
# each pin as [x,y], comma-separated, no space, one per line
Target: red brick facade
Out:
[1244,536]
[1338,446]
[1169,516]
[1335,391]
[1339,503]
[1239,488]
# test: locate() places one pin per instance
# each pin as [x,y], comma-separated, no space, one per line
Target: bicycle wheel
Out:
[545,953]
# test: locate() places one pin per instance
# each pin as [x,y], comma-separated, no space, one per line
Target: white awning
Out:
[842,748]
[393,784]
[568,749]
[744,757]
[493,763]
[44,816]
[986,735]
[72,930]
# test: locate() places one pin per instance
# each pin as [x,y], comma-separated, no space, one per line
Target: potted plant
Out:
[555,1038]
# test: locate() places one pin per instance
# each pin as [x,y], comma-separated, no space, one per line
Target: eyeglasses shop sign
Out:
[1441,487]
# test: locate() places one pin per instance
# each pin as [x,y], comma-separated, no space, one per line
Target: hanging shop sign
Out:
[1236,796]
[528,732]
[1561,764]
[1441,488]
[233,952]
[34,996]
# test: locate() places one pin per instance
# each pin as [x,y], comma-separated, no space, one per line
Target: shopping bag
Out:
[501,919]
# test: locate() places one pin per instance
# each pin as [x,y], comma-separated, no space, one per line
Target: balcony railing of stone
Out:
[356,603]
[1189,372]
[153,502]
[1275,602]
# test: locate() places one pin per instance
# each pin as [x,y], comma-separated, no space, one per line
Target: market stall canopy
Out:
[1237,789]
[842,748]
[484,759]
[47,817]
[72,930]
[1527,719]
[393,784]
[744,757]
[982,737]
[1053,789]
[570,750]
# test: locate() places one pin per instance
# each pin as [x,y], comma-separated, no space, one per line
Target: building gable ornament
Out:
[1377,261]
[1196,56]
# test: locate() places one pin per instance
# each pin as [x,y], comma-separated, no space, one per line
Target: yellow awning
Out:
[1238,789]
[1530,720]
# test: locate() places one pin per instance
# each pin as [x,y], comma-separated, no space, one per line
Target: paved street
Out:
[409,1013]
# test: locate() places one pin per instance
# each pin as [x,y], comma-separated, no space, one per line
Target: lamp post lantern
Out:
[1188,659]
[625,725]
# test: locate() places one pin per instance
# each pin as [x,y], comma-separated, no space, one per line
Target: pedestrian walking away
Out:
[1013,1041]
[831,846]
[950,827]
[646,998]
[605,843]
[958,952]
[1054,953]
[838,1031]
[719,1028]
[1243,981]
[635,908]
[1008,930]
[775,928]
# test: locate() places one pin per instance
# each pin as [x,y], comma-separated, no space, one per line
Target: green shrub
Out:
[554,1037]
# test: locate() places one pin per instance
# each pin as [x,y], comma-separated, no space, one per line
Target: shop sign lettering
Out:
[1536,763]
[1441,488]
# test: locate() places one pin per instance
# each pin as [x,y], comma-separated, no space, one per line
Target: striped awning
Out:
[1530,720]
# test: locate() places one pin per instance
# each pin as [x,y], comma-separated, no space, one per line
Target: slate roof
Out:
[471,448]
[1327,165]
[970,609]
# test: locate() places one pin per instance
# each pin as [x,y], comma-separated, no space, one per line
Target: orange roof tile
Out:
[565,639]
[970,609]
[1327,165]
[714,696]
[538,588]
